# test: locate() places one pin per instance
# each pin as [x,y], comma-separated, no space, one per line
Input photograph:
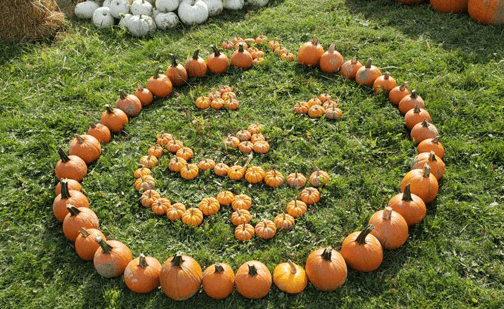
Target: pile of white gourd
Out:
[142,17]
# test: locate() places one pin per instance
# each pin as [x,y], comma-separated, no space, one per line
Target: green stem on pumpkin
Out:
[105,246]
[252,270]
[240,48]
[407,193]
[215,50]
[122,95]
[432,156]
[368,63]
[63,156]
[361,239]
[156,73]
[65,193]
[74,211]
[84,232]
[177,260]
[174,62]
[142,262]
[109,109]
[195,55]
[327,254]
[413,94]
[218,268]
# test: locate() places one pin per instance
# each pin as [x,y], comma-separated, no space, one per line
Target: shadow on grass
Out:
[480,43]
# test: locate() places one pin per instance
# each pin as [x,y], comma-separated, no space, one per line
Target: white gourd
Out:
[193,12]
[214,7]
[119,7]
[233,4]
[102,17]
[258,2]
[125,19]
[138,26]
[167,5]
[166,20]
[85,10]
[106,3]
[141,7]
[150,21]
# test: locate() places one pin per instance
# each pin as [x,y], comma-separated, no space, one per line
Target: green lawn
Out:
[50,91]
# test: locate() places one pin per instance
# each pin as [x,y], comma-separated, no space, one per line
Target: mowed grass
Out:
[453,259]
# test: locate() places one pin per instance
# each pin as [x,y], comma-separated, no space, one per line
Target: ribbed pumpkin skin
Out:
[425,187]
[449,6]
[218,280]
[256,286]
[86,246]
[290,278]
[141,279]
[326,275]
[86,218]
[86,147]
[410,206]
[112,264]
[60,202]
[183,281]
[390,228]
[365,257]
[437,165]
[487,11]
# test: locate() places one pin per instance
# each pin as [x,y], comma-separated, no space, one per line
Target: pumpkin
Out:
[431,144]
[86,147]
[333,112]
[114,119]
[71,167]
[227,44]
[202,102]
[296,208]
[155,150]
[176,164]
[174,145]
[284,221]
[416,115]
[206,164]
[488,12]
[390,228]
[141,7]
[167,5]
[326,269]
[253,280]
[196,66]
[300,107]
[257,137]
[148,197]
[290,278]
[166,20]
[218,280]
[148,161]
[221,169]
[244,232]
[85,10]
[261,147]
[261,39]
[176,72]
[72,184]
[362,251]
[296,180]
[366,75]
[331,60]
[209,206]
[225,198]
[240,216]
[232,104]
[192,12]
[309,53]
[217,62]
[190,171]
[159,84]
[232,142]
[243,135]
[141,275]
[85,243]
[78,218]
[75,198]
[273,178]
[350,67]
[314,101]
[214,7]
[408,205]
[225,89]
[192,217]
[398,93]
[422,182]
[241,58]
[319,178]
[217,103]
[329,104]
[254,174]
[175,211]
[140,25]
[316,111]
[236,172]
[265,229]
[145,183]
[160,206]
[281,50]
[118,7]
[255,128]
[241,201]
[449,6]
[180,277]
[129,104]
[100,132]
[409,1]
[422,131]
[185,153]
[273,44]
[246,146]
[310,195]
[436,164]
[384,83]
[410,101]
[111,258]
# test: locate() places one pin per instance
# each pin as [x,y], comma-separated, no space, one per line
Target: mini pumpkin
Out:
[232,142]
[333,113]
[148,161]
[206,164]
[257,137]
[296,208]
[236,172]
[160,206]
[148,197]
[185,153]
[255,128]
[221,169]
[192,217]
[244,232]
[254,174]
[155,150]
[163,139]
[296,180]
[190,171]
[366,75]
[416,115]
[241,201]
[310,195]
[145,183]
[232,104]
[176,164]
[273,178]
[265,229]
[240,216]
[243,135]
[316,111]
[261,147]
[174,145]
[290,278]
[202,102]
[246,146]
[78,218]
[175,211]
[300,107]
[284,221]
[209,206]
[319,178]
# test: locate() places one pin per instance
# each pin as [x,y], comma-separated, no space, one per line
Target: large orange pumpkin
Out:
[290,278]
[141,275]
[176,73]
[362,251]
[449,6]
[86,147]
[253,280]
[72,167]
[422,182]
[111,258]
[309,53]
[390,228]
[218,280]
[78,218]
[326,269]
[409,205]
[180,277]
[487,11]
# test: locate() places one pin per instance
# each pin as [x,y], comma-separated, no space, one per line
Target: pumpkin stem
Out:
[156,73]
[292,266]
[84,232]
[387,213]
[252,270]
[73,210]
[142,262]
[403,86]
[425,123]
[331,48]
[436,139]
[103,244]
[122,95]
[416,110]
[240,47]
[195,54]
[65,193]
[386,76]
[426,170]
[140,87]
[314,41]
[368,63]
[92,125]
[432,156]
[109,109]
[79,138]
[355,60]
[63,156]
[173,61]
[361,239]
[177,260]
[215,50]
[413,94]
[407,193]
[218,268]
[327,253]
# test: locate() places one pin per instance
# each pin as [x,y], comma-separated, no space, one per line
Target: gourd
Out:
[164,6]
[141,7]
[166,20]
[85,10]
[102,18]
[253,280]
[180,277]
[214,7]
[118,7]
[193,12]
[233,4]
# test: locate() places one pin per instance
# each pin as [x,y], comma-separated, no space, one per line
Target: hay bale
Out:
[29,19]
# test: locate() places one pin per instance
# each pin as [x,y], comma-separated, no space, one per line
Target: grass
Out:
[52,90]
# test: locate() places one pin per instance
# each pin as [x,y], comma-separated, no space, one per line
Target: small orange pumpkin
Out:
[316,111]
[241,58]
[423,183]
[196,66]
[390,228]
[296,208]
[362,251]
[218,280]
[174,145]
[246,146]
[331,60]
[236,172]
[266,229]
[284,221]
[290,278]
[221,169]
[175,211]
[111,258]
[416,115]
[68,197]
[114,118]
[436,164]
[326,269]
[408,205]
[209,206]
[206,164]
[241,201]
[129,104]
[244,232]
[397,93]
[160,206]
[243,135]
[333,112]
[384,83]
[185,153]
[176,73]
[300,107]
[148,197]
[145,183]
[254,174]
[431,144]
[232,142]
[422,131]
[71,167]
[296,180]
[72,184]
[85,243]
[261,147]
[148,161]
[192,217]
[273,178]
[319,178]
[310,195]
[367,74]
[190,171]
[176,164]
[100,131]
[86,147]
[410,101]
[309,53]
[240,216]
[350,67]
[159,84]
[155,150]
[225,198]
[141,275]
[144,95]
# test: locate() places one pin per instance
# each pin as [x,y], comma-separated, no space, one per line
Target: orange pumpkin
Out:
[243,135]
[232,142]
[160,206]
[436,164]
[75,198]
[350,67]
[100,131]
[196,66]
[111,258]
[333,112]
[163,139]
[326,269]
[367,74]
[177,164]
[225,198]
[384,83]
[410,101]
[254,174]
[206,164]
[246,146]
[209,206]
[114,118]
[85,243]
[86,147]
[241,58]
[398,93]
[261,147]
[240,216]
[254,128]
[78,218]
[266,229]
[416,115]
[176,73]
[422,182]
[300,107]
[145,183]
[331,60]
[408,205]
[72,184]
[141,275]
[488,12]
[319,178]
[244,232]
[202,102]
[290,278]
[310,195]
[129,104]
[256,137]
[296,180]
[142,171]
[362,251]
[159,84]
[273,178]
[155,150]
[190,171]
[180,277]
[253,280]
[316,111]
[449,6]
[236,172]
[221,169]
[175,211]
[71,167]
[431,144]
[284,221]
[149,197]
[309,53]
[149,161]
[241,201]
[185,153]
[296,208]
[218,280]
[144,95]
[390,228]
[217,62]
[192,217]
[422,131]
[174,145]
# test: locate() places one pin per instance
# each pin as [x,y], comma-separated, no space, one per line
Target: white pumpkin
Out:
[258,2]
[85,10]
[193,12]
[125,19]
[119,7]
[106,3]
[233,4]
[150,21]
[102,17]
[138,25]
[214,7]
[141,7]
[167,5]
[166,20]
